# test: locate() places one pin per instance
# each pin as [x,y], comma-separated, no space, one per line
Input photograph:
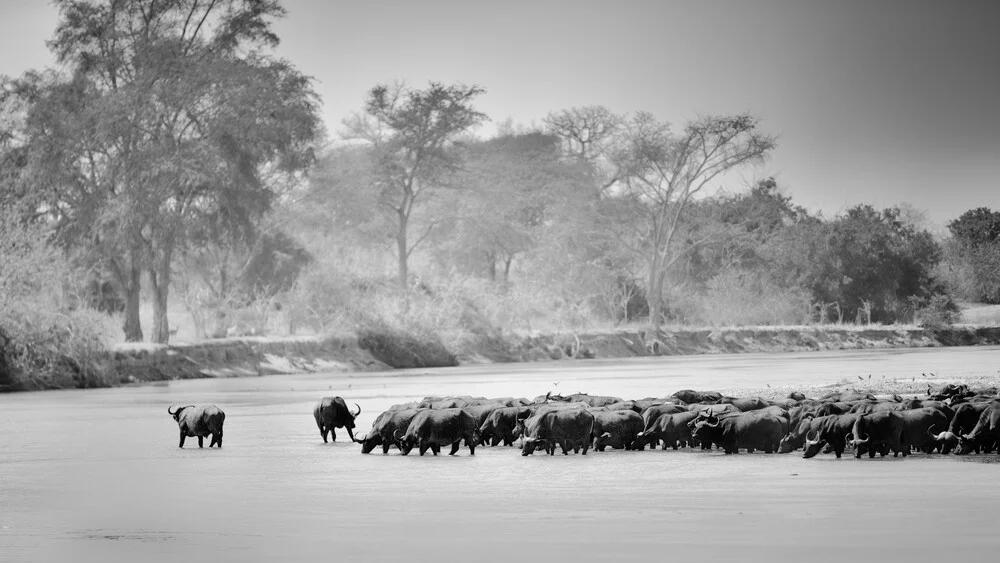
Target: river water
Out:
[96,475]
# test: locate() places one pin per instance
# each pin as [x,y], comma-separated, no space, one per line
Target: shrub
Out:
[43,343]
[936,312]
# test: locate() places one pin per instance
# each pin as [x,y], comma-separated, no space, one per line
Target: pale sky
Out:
[874,101]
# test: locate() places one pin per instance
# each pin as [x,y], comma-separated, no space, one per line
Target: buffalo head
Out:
[177,413]
[403,442]
[812,445]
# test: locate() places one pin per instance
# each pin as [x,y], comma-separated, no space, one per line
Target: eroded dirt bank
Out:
[262,356]
[256,356]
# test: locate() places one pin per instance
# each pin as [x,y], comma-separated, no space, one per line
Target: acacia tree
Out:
[662,173]
[174,118]
[409,132]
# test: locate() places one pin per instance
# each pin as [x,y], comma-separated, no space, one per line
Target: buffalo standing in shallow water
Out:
[331,413]
[200,422]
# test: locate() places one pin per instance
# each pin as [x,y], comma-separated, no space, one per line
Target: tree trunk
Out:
[404,272]
[654,293]
[132,286]
[160,276]
[491,266]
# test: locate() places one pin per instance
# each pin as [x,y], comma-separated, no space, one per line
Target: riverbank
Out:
[256,356]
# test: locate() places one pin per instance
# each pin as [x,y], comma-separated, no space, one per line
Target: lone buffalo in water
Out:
[331,413]
[200,422]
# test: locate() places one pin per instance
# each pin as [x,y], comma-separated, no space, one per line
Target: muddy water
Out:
[97,476]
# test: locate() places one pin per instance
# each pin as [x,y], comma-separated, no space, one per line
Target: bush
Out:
[937,312]
[402,350]
[733,297]
[43,343]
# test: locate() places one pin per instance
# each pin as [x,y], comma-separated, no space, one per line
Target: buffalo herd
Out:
[954,418]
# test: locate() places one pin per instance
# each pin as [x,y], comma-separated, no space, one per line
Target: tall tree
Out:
[173,123]
[662,173]
[410,132]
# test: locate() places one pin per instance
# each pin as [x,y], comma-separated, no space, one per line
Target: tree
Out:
[662,174]
[173,124]
[976,227]
[410,132]
[588,134]
[973,255]
[514,184]
[881,265]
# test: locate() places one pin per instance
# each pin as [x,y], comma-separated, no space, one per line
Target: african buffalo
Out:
[200,422]
[617,430]
[590,400]
[985,434]
[671,429]
[500,426]
[745,404]
[744,430]
[832,429]
[962,422]
[688,396]
[384,429]
[882,428]
[331,413]
[433,428]
[916,427]
[567,428]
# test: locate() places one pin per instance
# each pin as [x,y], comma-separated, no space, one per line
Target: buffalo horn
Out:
[862,442]
[171,413]
[931,434]
[355,415]
[398,434]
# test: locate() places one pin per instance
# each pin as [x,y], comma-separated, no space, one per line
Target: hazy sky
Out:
[874,101]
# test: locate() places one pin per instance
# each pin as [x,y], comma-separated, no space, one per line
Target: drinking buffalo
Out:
[384,429]
[331,413]
[986,432]
[200,422]
[832,430]
[433,428]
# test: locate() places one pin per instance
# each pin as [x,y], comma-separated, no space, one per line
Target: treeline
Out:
[167,161]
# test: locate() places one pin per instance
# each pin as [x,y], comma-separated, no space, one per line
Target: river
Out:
[96,475]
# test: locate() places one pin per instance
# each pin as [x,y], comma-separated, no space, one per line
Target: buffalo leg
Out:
[218,439]
[454,447]
[183,435]
[351,434]
[333,435]
[435,449]
[385,447]
[472,449]
[201,441]
[323,432]
[423,449]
